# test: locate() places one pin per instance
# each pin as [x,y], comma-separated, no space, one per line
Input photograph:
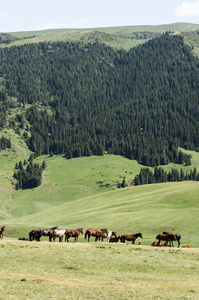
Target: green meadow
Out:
[32,270]
[116,37]
[83,192]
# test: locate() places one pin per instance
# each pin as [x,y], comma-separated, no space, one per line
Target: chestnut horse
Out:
[73,233]
[130,237]
[158,244]
[167,237]
[92,232]
[101,234]
[1,232]
[114,239]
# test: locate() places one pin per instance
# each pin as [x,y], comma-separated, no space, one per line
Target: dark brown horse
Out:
[73,233]
[127,237]
[167,237]
[130,237]
[2,229]
[177,235]
[92,232]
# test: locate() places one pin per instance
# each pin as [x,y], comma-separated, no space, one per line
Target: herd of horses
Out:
[164,239]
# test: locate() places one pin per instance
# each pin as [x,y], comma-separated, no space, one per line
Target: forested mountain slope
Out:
[87,99]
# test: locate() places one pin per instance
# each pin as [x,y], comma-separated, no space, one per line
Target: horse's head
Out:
[105,231]
[141,236]
[81,230]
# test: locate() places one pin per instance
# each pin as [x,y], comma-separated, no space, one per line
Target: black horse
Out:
[178,237]
[37,234]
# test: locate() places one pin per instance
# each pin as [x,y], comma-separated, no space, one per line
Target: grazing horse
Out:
[92,232]
[167,237]
[37,234]
[178,237]
[130,237]
[73,233]
[2,229]
[56,233]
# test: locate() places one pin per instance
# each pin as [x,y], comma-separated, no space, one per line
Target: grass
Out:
[82,193]
[116,37]
[97,271]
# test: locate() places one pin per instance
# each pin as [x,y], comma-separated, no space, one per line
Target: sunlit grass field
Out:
[32,270]
[83,192]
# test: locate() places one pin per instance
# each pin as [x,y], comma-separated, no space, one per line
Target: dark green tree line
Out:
[142,104]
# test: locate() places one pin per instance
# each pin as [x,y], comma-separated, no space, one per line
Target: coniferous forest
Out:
[88,99]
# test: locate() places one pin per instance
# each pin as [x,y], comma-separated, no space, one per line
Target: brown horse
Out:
[177,235]
[130,237]
[186,246]
[73,233]
[1,232]
[92,232]
[114,239]
[158,244]
[167,237]
[101,234]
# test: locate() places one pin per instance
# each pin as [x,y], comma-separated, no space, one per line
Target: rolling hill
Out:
[140,90]
[124,37]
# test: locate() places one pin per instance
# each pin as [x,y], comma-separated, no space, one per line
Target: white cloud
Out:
[188,9]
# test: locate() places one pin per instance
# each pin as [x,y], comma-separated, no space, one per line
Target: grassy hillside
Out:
[97,271]
[83,192]
[149,209]
[117,37]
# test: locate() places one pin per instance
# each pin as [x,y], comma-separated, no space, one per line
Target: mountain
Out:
[88,99]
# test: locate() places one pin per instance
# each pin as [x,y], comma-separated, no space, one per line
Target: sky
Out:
[30,15]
